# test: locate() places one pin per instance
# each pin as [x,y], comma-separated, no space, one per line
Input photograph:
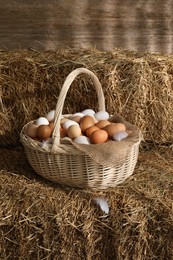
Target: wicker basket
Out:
[65,164]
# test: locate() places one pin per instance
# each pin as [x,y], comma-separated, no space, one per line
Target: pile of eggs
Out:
[86,127]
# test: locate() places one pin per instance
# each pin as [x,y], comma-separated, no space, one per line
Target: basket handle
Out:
[60,103]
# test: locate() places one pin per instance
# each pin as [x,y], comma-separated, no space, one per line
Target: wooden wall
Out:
[142,25]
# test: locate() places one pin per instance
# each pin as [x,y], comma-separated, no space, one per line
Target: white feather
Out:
[102,204]
[45,144]
[120,136]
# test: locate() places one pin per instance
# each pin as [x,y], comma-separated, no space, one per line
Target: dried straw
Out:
[40,220]
[139,86]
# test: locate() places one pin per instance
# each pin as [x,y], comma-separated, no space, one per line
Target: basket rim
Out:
[65,147]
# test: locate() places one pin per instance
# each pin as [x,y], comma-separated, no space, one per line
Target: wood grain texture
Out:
[142,25]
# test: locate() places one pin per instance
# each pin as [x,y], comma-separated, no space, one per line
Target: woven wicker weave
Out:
[65,164]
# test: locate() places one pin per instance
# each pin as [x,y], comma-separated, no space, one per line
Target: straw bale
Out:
[139,86]
[41,220]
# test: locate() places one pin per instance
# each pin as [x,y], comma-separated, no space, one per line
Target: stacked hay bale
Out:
[138,86]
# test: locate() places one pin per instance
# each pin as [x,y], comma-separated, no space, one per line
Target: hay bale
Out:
[139,86]
[40,220]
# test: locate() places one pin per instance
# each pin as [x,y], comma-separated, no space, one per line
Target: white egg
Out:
[102,115]
[88,112]
[42,121]
[50,115]
[120,136]
[68,123]
[82,140]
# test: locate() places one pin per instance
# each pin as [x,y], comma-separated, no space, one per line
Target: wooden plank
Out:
[130,24]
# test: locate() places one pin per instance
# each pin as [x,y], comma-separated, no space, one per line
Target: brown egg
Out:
[51,125]
[99,136]
[114,128]
[95,120]
[44,132]
[63,120]
[63,132]
[37,139]
[86,122]
[102,123]
[31,130]
[74,131]
[90,130]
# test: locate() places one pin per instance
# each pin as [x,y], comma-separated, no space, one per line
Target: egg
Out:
[120,127]
[88,112]
[76,118]
[82,139]
[37,140]
[102,115]
[99,136]
[74,131]
[68,123]
[51,125]
[63,132]
[43,132]
[63,119]
[114,128]
[120,136]
[42,121]
[50,116]
[31,130]
[86,122]
[90,130]
[102,123]
[95,120]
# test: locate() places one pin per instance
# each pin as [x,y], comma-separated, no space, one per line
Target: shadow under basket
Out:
[64,164]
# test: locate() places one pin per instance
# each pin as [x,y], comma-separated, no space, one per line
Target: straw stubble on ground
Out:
[42,220]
